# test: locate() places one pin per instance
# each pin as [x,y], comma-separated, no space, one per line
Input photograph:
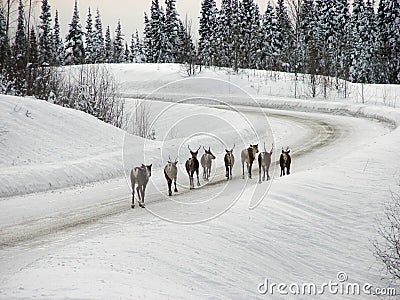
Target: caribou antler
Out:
[192,151]
[265,148]
[233,147]
[272,148]
[204,149]
[198,148]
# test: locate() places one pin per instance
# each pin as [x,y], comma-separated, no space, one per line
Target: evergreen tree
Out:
[3,38]
[360,46]
[285,37]
[307,22]
[45,38]
[249,16]
[236,39]
[34,57]
[75,52]
[147,43]
[19,53]
[155,34]
[136,49]
[340,40]
[269,42]
[171,31]
[89,34]
[127,54]
[225,34]
[207,30]
[98,40]
[388,28]
[58,45]
[108,49]
[118,45]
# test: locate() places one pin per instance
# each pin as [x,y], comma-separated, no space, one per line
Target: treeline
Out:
[315,37]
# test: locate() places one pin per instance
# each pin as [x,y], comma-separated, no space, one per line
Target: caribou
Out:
[264,162]
[285,161]
[248,156]
[140,176]
[229,161]
[171,172]
[192,165]
[206,160]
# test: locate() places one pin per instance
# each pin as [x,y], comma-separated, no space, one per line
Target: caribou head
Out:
[209,152]
[194,153]
[230,151]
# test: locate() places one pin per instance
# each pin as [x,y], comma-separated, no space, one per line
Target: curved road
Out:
[322,133]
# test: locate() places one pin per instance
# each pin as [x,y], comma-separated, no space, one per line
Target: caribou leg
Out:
[133,192]
[198,181]
[133,197]
[175,190]
[250,165]
[243,169]
[227,172]
[169,186]
[230,171]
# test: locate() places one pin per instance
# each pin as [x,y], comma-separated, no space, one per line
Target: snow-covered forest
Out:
[346,41]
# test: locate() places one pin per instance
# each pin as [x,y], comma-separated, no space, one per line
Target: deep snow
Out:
[313,224]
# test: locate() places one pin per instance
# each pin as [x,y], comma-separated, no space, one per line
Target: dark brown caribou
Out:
[192,165]
[229,161]
[285,161]
[140,176]
[248,156]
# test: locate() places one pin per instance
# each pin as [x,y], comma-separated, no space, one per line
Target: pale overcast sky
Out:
[130,12]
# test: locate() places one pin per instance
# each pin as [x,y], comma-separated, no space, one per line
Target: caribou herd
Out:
[140,175]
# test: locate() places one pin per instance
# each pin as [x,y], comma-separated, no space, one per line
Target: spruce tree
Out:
[3,39]
[19,52]
[45,38]
[388,28]
[147,43]
[250,26]
[269,44]
[224,31]
[118,45]
[98,40]
[75,52]
[171,31]
[89,34]
[58,45]
[207,31]
[108,48]
[285,37]
[34,57]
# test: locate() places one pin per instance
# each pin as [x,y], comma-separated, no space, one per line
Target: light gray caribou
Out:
[264,162]
[229,161]
[171,172]
[192,165]
[140,176]
[206,161]
[248,155]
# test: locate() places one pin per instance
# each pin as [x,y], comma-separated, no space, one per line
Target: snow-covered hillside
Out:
[86,242]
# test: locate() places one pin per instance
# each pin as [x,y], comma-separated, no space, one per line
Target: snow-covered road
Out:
[314,223]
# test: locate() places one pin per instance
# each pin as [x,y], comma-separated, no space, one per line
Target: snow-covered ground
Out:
[85,242]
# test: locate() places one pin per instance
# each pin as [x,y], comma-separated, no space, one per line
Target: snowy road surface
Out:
[314,223]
